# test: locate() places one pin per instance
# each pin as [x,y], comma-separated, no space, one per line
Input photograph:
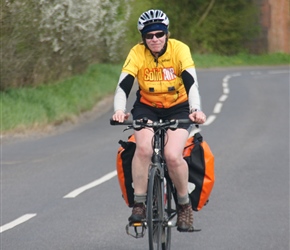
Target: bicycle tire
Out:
[154,210]
[169,213]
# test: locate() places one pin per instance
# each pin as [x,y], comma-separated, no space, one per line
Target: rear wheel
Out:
[154,210]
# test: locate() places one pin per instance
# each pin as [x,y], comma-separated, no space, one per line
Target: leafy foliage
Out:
[211,26]
[42,41]
[46,40]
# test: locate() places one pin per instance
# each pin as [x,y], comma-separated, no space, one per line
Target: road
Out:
[60,191]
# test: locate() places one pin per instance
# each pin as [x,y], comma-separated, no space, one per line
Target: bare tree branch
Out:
[205,14]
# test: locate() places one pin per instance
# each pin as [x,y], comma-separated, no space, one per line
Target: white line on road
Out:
[223,98]
[95,183]
[226,78]
[209,120]
[236,74]
[278,72]
[217,108]
[16,222]
[226,91]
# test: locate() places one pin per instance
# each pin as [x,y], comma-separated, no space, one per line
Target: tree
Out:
[211,26]
[48,40]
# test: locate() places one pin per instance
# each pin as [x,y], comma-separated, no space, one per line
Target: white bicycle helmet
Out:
[151,17]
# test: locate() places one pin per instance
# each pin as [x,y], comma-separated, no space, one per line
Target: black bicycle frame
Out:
[158,157]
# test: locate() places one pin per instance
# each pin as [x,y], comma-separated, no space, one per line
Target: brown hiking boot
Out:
[185,218]
[138,213]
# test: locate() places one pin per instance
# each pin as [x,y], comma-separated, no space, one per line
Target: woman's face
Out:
[155,40]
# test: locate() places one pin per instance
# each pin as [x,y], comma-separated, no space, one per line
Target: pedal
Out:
[191,230]
[139,229]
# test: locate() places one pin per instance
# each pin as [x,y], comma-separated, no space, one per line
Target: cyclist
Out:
[167,89]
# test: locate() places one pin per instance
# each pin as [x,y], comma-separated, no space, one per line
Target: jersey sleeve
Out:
[189,76]
[126,80]
[193,91]
[122,91]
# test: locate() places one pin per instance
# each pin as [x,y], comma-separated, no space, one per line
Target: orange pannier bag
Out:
[124,169]
[200,161]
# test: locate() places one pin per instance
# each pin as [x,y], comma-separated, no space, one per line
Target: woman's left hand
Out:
[198,117]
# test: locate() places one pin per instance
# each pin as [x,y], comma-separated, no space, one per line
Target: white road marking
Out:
[226,91]
[95,183]
[16,222]
[217,108]
[236,74]
[226,78]
[209,120]
[223,98]
[278,71]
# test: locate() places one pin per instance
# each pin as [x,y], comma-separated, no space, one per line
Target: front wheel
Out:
[155,210]
[170,213]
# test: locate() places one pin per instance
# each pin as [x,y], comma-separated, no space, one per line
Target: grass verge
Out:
[57,102]
[206,61]
[54,103]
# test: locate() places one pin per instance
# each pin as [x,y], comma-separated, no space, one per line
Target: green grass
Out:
[206,61]
[28,108]
[54,103]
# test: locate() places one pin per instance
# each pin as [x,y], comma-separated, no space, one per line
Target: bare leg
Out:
[177,167]
[141,160]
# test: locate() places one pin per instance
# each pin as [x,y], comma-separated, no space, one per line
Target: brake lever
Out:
[137,125]
[128,128]
[173,124]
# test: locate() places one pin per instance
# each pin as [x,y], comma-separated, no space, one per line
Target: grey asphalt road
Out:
[60,192]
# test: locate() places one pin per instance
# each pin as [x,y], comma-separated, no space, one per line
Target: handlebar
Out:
[139,124]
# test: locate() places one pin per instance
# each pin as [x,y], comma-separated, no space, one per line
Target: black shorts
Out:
[179,111]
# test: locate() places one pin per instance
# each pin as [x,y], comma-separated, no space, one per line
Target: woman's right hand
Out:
[120,116]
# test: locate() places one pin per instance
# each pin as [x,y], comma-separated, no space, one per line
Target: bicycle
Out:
[161,194]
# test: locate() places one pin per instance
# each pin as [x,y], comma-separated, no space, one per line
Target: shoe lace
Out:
[139,209]
[185,214]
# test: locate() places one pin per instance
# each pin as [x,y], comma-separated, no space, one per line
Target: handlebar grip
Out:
[112,122]
[185,121]
[188,122]
[126,122]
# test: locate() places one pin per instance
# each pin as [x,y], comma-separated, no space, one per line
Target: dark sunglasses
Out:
[157,35]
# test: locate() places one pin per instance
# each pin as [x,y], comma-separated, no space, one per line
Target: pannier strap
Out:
[197,138]
[124,144]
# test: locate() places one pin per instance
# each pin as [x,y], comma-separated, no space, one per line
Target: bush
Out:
[49,40]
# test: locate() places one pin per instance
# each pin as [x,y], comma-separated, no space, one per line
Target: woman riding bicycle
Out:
[168,89]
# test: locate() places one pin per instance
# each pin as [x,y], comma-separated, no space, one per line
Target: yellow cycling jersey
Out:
[159,79]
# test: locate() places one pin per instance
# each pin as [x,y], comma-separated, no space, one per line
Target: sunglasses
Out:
[157,35]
